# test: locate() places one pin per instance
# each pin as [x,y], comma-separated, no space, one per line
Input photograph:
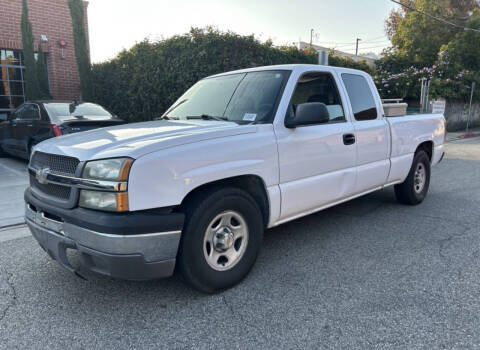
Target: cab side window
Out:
[318,87]
[361,97]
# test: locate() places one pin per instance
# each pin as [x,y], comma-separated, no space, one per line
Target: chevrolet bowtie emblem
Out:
[41,175]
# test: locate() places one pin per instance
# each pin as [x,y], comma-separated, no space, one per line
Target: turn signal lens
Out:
[108,201]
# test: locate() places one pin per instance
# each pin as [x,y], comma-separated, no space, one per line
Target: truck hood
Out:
[137,139]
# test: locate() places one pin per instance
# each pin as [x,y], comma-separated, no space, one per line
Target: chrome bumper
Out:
[136,257]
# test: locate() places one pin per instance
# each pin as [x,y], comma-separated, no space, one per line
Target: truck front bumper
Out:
[141,254]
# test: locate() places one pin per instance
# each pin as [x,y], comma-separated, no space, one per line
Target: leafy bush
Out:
[32,90]
[444,83]
[80,45]
[141,83]
[347,62]
[42,75]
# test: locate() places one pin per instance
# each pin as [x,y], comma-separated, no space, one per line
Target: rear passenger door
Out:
[371,133]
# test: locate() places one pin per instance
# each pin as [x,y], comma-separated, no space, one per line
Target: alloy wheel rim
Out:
[419,178]
[225,240]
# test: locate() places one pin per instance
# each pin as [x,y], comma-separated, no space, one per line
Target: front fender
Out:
[164,178]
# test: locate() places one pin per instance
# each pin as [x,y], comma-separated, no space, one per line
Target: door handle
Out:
[348,139]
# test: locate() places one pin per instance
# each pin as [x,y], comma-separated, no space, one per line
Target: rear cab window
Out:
[29,112]
[361,97]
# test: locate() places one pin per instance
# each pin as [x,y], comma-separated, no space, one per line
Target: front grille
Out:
[62,165]
[57,164]
[57,191]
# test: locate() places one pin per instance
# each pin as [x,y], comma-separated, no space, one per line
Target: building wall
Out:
[456,114]
[52,18]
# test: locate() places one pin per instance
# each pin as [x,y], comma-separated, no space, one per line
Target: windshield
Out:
[68,110]
[242,98]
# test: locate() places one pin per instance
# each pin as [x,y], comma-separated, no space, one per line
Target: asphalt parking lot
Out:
[367,274]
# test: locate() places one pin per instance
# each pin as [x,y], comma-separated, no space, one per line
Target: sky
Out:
[118,24]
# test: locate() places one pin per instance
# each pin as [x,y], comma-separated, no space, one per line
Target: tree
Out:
[42,75]
[420,37]
[396,16]
[463,52]
[32,90]
[81,50]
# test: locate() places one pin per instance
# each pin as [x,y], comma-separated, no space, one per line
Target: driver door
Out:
[317,162]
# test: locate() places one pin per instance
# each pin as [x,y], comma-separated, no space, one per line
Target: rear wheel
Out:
[221,239]
[414,189]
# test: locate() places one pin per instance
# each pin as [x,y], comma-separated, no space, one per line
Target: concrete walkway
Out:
[13,182]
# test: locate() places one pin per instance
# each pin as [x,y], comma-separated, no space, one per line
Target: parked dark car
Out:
[36,121]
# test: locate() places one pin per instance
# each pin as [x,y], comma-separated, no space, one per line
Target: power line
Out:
[352,47]
[364,48]
[434,17]
[377,38]
[350,44]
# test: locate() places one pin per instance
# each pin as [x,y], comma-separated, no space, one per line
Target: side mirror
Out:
[309,114]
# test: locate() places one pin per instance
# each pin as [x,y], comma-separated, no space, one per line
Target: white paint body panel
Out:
[165,177]
[303,170]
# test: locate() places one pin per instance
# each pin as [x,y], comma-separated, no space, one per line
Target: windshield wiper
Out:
[206,117]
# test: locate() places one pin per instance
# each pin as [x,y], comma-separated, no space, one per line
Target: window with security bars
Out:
[12,92]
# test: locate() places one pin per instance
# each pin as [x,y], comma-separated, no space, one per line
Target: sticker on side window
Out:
[250,117]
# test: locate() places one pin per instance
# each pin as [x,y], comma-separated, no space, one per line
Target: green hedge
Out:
[141,83]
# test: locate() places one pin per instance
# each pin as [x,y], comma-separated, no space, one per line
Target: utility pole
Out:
[356,50]
[311,37]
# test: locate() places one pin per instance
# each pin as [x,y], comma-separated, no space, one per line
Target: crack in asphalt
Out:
[442,243]
[13,296]
[235,314]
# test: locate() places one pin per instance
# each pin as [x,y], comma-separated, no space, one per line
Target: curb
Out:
[470,134]
[464,136]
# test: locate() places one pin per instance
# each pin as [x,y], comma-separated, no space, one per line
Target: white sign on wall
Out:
[438,106]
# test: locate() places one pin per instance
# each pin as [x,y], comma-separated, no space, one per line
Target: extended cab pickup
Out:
[239,152]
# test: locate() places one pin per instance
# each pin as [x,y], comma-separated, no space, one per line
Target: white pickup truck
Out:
[239,152]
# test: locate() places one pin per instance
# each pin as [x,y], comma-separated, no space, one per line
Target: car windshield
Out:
[69,110]
[241,98]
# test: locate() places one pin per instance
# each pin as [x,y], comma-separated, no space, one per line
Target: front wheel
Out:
[415,187]
[221,239]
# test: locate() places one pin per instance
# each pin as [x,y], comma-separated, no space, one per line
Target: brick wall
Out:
[52,18]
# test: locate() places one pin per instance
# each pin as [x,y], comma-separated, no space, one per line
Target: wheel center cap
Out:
[223,239]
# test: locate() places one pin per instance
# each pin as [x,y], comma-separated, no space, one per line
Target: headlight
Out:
[110,201]
[108,169]
[114,170]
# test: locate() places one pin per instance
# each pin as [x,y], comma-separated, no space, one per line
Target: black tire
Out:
[409,192]
[200,212]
